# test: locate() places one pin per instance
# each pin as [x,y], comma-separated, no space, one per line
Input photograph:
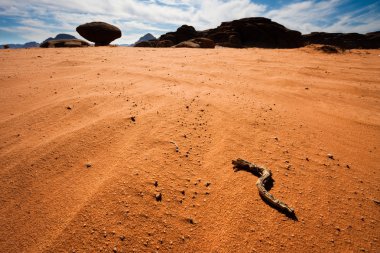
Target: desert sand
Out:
[86,146]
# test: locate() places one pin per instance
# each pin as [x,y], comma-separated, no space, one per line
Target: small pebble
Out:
[158,196]
[88,165]
[330,156]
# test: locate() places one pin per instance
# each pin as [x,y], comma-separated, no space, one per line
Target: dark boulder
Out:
[6,46]
[64,43]
[100,33]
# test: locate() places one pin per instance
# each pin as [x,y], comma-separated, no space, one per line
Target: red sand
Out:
[216,105]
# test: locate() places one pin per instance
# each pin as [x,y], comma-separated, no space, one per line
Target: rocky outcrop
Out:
[247,32]
[264,33]
[344,40]
[100,33]
[254,32]
[183,33]
[64,43]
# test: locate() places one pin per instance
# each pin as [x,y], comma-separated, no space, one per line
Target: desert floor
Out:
[85,134]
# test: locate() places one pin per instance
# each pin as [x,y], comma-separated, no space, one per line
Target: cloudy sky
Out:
[36,20]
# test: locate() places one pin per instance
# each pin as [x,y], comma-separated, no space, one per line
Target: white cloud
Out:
[136,17]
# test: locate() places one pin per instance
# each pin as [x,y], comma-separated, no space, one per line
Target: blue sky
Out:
[36,20]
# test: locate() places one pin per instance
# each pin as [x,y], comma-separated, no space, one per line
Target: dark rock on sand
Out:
[100,33]
[329,49]
[344,40]
[65,43]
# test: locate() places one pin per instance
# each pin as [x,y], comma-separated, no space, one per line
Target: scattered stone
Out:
[88,165]
[376,201]
[330,156]
[207,184]
[329,49]
[191,221]
[122,238]
[69,107]
[115,249]
[155,183]
[307,159]
[133,118]
[158,197]
[183,192]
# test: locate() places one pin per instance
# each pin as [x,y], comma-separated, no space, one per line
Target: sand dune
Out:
[77,174]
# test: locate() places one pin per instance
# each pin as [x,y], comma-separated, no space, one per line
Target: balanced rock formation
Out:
[64,43]
[101,33]
[344,40]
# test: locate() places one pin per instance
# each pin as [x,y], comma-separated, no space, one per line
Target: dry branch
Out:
[265,177]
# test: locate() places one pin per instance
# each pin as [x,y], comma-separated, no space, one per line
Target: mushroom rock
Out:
[101,33]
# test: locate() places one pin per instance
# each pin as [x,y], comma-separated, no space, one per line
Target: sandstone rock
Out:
[64,43]
[204,42]
[165,43]
[99,32]
[187,44]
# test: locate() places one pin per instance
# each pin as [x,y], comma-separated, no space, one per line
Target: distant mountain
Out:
[61,36]
[146,37]
[26,45]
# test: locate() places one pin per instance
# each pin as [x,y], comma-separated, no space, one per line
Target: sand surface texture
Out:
[86,149]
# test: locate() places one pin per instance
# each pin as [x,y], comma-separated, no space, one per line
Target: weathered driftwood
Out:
[265,178]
